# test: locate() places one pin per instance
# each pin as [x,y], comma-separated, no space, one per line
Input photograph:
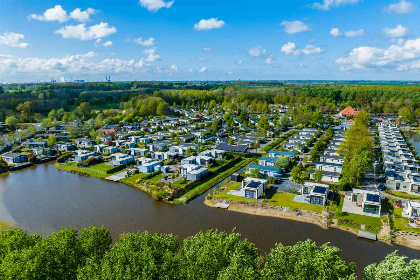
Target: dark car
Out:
[381,187]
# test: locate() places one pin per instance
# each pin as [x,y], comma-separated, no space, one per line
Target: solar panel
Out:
[254,185]
[373,198]
[318,189]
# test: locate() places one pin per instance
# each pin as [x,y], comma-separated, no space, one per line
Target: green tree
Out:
[51,140]
[217,255]
[306,260]
[394,267]
[318,175]
[282,162]
[263,125]
[11,121]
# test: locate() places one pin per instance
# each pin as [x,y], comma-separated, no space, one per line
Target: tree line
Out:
[91,254]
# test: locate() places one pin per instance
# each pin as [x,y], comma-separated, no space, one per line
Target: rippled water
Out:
[43,199]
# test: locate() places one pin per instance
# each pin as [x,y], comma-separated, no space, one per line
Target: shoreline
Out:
[284,213]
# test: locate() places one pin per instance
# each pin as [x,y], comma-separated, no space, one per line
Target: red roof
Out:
[349,111]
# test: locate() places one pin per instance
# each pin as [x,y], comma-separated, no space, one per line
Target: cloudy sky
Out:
[209,39]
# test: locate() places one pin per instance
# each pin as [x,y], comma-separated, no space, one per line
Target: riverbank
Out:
[406,239]
[264,209]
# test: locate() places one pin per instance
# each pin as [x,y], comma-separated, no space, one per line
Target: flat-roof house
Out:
[366,202]
[36,144]
[193,172]
[137,152]
[149,167]
[277,154]
[253,187]
[267,171]
[13,158]
[81,155]
[232,148]
[118,159]
[317,193]
[84,143]
[412,209]
[267,161]
[65,147]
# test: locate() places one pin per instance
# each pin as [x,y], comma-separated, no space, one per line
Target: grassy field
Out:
[155,179]
[212,180]
[400,223]
[179,184]
[232,186]
[73,167]
[102,167]
[404,195]
[286,200]
[354,221]
[134,178]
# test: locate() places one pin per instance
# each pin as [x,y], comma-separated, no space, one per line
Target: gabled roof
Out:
[232,148]
[349,111]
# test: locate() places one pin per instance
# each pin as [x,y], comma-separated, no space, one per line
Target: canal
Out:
[43,199]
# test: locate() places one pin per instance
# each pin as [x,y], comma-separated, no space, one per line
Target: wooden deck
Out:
[366,235]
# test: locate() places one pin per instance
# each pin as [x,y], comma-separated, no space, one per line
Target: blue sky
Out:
[209,39]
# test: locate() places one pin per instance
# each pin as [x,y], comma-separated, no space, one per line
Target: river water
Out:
[43,199]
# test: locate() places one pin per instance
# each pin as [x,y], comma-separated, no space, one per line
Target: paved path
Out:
[117,177]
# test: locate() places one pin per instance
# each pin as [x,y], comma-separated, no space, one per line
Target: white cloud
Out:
[336,32]
[400,56]
[82,16]
[202,70]
[208,24]
[147,43]
[402,7]
[328,4]
[292,27]
[152,56]
[240,62]
[351,33]
[79,63]
[207,49]
[397,32]
[59,14]
[155,5]
[173,69]
[270,60]
[290,48]
[107,44]
[82,33]
[257,51]
[354,33]
[190,70]
[13,40]
[202,59]
[54,14]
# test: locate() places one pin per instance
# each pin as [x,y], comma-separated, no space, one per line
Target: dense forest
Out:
[91,254]
[39,100]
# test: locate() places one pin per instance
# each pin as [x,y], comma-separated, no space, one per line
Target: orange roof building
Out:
[348,112]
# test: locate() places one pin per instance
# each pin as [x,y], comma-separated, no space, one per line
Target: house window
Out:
[397,186]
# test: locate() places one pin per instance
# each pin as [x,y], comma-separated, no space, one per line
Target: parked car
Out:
[381,187]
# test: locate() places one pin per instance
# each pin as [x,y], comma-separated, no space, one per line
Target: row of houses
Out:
[402,171]
[330,163]
[300,140]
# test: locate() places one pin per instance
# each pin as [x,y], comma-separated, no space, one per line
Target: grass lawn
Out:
[225,196]
[72,166]
[155,179]
[286,200]
[405,195]
[134,178]
[400,223]
[179,184]
[103,166]
[213,179]
[359,219]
